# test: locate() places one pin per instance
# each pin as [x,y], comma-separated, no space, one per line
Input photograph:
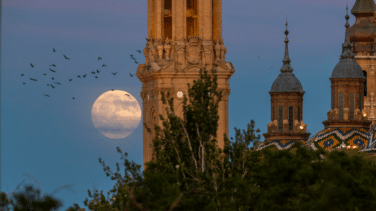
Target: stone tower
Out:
[362,36]
[182,37]
[286,105]
[347,90]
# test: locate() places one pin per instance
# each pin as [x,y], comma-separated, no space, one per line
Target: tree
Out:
[30,199]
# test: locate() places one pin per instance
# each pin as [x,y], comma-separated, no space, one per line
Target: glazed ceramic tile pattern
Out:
[371,145]
[280,144]
[334,137]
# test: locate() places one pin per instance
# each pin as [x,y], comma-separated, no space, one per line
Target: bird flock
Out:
[78,76]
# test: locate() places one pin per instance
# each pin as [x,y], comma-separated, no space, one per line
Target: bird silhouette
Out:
[96,76]
[32,65]
[104,65]
[98,71]
[65,57]
[138,51]
[131,55]
[113,73]
[44,74]
[135,62]
[84,75]
[33,79]
[112,89]
[73,98]
[22,74]
[46,95]
[53,78]
[99,58]
[57,83]
[48,84]
[131,75]
[70,79]
[127,95]
[78,76]
[54,49]
[52,86]
[92,72]
[53,65]
[52,70]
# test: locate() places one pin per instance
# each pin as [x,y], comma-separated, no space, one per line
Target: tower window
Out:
[365,83]
[280,118]
[340,106]
[299,119]
[333,97]
[291,117]
[352,105]
[360,101]
[192,18]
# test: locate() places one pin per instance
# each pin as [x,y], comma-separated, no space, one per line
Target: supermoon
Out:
[116,114]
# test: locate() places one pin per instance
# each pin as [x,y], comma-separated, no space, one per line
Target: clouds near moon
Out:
[116,114]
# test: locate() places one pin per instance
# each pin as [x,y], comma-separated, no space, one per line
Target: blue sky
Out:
[54,139]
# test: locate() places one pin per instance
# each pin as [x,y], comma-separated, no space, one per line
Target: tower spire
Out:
[286,60]
[347,54]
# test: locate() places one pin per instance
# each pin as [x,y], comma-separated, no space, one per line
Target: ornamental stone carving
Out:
[223,50]
[180,49]
[193,50]
[167,48]
[217,48]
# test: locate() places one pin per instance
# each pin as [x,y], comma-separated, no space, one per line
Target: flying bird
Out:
[112,89]
[46,95]
[99,58]
[127,95]
[53,65]
[53,78]
[131,75]
[96,76]
[52,86]
[98,71]
[84,75]
[70,79]
[135,62]
[22,74]
[33,79]
[139,51]
[54,49]
[131,55]
[57,83]
[32,65]
[24,83]
[73,98]
[65,57]
[113,73]
[78,76]
[48,84]
[104,65]
[52,70]
[92,72]
[44,74]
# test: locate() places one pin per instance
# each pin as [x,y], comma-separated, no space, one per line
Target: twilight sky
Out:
[54,138]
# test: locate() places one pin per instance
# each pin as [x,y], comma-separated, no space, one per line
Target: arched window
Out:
[192,18]
[280,118]
[167,32]
[340,106]
[291,117]
[299,117]
[365,83]
[352,105]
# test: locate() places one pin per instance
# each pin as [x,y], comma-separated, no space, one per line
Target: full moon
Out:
[116,114]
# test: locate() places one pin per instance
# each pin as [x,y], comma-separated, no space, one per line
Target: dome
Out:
[362,30]
[347,68]
[363,7]
[286,82]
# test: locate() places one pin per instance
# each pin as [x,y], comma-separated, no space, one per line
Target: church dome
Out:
[362,30]
[363,7]
[286,82]
[347,68]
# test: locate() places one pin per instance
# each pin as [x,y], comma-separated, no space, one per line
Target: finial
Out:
[286,60]
[347,54]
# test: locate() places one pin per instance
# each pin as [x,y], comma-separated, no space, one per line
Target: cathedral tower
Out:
[362,36]
[182,37]
[347,90]
[286,105]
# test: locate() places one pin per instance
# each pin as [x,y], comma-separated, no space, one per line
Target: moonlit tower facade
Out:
[182,37]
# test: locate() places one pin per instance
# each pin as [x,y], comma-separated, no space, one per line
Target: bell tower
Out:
[183,36]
